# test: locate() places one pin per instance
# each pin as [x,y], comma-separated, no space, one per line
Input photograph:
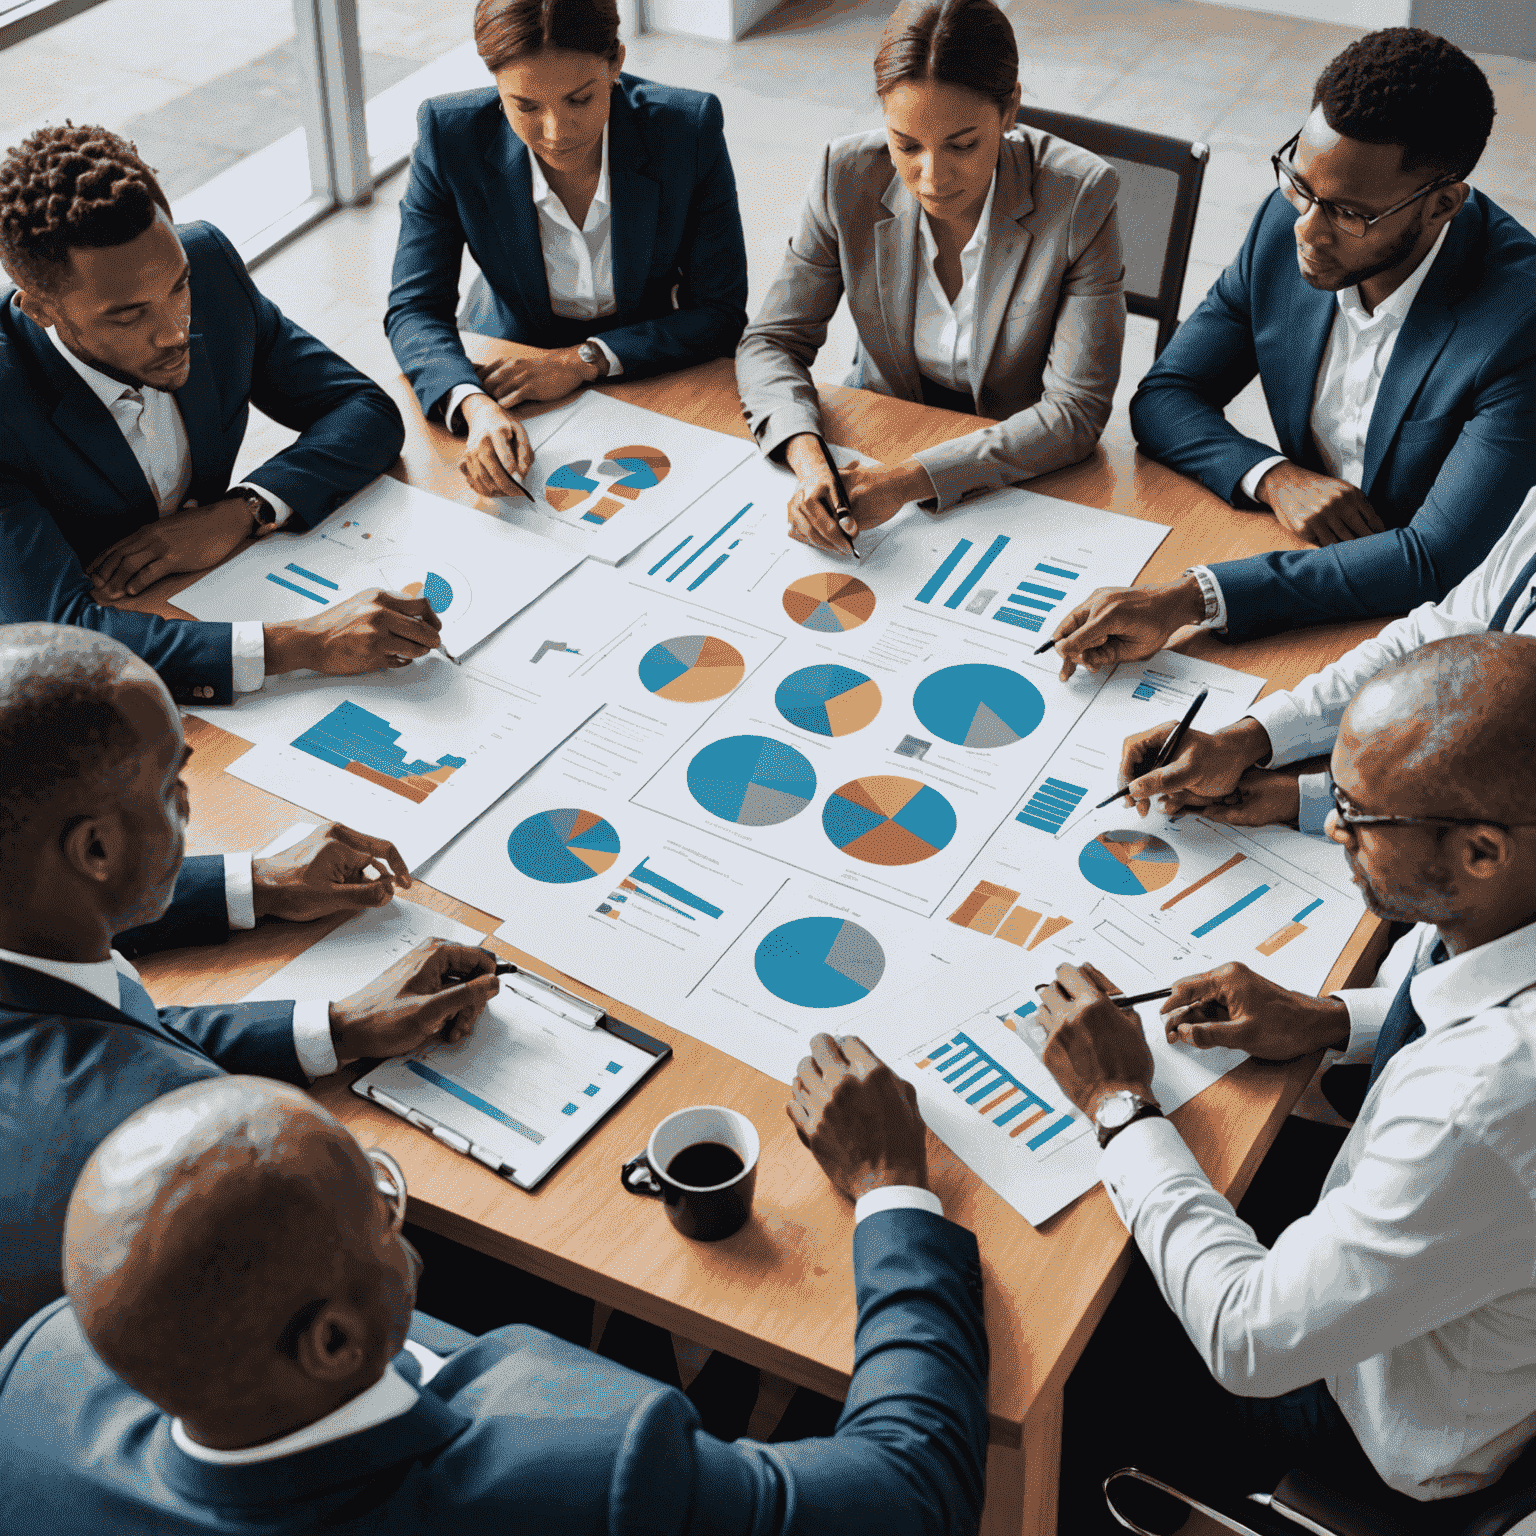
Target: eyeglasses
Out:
[1345,219]
[389,1180]
[1350,818]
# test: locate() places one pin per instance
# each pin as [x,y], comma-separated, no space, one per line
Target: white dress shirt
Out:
[1410,1289]
[151,424]
[1360,346]
[312,1042]
[942,332]
[578,263]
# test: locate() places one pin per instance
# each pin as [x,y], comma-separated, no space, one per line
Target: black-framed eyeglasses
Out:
[1345,219]
[389,1180]
[1350,818]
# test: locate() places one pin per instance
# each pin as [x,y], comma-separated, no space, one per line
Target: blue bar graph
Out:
[1039,591]
[1311,906]
[1020,619]
[1144,691]
[995,1092]
[644,875]
[1030,602]
[1051,804]
[319,581]
[1056,570]
[940,576]
[709,570]
[447,1084]
[977,571]
[687,539]
[719,533]
[293,586]
[1232,911]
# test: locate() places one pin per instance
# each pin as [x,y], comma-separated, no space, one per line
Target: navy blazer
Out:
[521,1431]
[1451,450]
[70,485]
[71,1070]
[675,225]
[198,913]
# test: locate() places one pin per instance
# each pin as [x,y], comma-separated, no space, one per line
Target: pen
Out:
[840,491]
[1040,650]
[1169,747]
[1140,997]
[449,654]
[458,978]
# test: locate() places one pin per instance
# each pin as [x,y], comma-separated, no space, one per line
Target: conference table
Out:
[780,1294]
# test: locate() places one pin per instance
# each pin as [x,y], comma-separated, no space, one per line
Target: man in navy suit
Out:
[92,826]
[1390,313]
[238,1353]
[131,352]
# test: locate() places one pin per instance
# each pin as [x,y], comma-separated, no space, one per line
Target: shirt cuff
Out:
[240,889]
[1250,481]
[1210,590]
[248,653]
[615,367]
[1368,1010]
[1316,801]
[459,394]
[1142,1157]
[280,508]
[312,1042]
[897,1197]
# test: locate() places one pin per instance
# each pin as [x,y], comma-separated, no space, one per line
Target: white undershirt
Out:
[151,424]
[943,332]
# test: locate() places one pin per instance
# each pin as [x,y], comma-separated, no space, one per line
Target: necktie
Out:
[1346,1088]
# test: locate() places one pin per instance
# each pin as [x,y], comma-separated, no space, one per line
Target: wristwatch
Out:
[1120,1109]
[594,357]
[263,515]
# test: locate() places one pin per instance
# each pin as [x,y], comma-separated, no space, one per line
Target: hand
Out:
[1316,507]
[334,869]
[1263,798]
[544,376]
[370,630]
[410,1003]
[1231,1006]
[876,493]
[497,448]
[189,540]
[860,1120]
[1118,624]
[1094,1046]
[1206,768]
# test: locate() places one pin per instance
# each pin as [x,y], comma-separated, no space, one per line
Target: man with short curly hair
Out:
[1389,310]
[131,352]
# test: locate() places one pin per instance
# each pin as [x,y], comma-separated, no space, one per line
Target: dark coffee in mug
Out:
[705,1164]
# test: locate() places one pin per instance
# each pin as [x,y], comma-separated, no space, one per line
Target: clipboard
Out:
[542,1070]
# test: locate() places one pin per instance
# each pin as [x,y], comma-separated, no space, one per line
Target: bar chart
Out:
[645,885]
[990,909]
[317,588]
[690,553]
[1006,1103]
[1053,801]
[359,742]
[1037,597]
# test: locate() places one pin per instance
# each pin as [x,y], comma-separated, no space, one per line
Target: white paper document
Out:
[474,570]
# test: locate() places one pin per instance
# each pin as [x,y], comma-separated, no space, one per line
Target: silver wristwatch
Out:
[1120,1109]
[594,357]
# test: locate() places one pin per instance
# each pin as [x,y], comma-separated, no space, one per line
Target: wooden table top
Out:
[780,1293]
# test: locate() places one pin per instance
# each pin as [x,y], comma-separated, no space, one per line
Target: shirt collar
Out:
[978,241]
[108,391]
[544,194]
[1468,984]
[1396,305]
[98,977]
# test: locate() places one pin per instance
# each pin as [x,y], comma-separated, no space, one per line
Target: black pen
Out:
[1040,650]
[840,491]
[1169,747]
[1121,1001]
[458,978]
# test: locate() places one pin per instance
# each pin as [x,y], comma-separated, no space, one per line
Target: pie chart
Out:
[751,780]
[446,589]
[561,847]
[887,820]
[828,699]
[820,962]
[977,705]
[691,668]
[1128,863]
[829,602]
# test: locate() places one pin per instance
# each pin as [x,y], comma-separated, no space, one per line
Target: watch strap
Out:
[1144,1111]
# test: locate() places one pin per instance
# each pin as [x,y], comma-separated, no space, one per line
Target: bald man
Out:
[1388,1335]
[238,1353]
[93,816]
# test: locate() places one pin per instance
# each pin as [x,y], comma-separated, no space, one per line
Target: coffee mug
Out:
[701,1163]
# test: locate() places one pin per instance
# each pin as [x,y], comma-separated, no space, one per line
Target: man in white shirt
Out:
[93,817]
[1389,1334]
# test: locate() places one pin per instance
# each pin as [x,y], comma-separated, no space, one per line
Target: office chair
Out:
[1303,1502]
[1160,180]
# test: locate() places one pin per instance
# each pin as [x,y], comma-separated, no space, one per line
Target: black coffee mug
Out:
[715,1146]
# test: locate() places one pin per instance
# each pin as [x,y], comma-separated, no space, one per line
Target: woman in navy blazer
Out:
[601,210]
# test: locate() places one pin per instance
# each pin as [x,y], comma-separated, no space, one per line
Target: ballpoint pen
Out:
[840,491]
[1169,747]
[449,654]
[1040,650]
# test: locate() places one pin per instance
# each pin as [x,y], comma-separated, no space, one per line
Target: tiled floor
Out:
[1237,79]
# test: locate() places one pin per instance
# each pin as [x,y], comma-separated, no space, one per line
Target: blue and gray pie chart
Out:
[751,780]
[977,705]
[820,962]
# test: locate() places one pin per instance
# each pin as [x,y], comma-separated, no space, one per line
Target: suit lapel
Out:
[898,254]
[1309,324]
[198,401]
[28,991]
[516,222]
[635,198]
[1002,260]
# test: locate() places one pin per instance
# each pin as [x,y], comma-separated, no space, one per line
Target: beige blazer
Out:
[1050,313]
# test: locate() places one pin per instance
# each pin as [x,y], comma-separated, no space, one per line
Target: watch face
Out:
[1115,1110]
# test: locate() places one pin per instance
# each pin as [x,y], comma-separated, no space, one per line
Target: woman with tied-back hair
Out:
[981,260]
[600,208]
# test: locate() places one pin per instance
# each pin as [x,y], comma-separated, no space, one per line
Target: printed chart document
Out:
[521,1091]
[474,570]
[611,474]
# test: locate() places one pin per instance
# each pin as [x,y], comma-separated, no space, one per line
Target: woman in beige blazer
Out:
[982,265]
